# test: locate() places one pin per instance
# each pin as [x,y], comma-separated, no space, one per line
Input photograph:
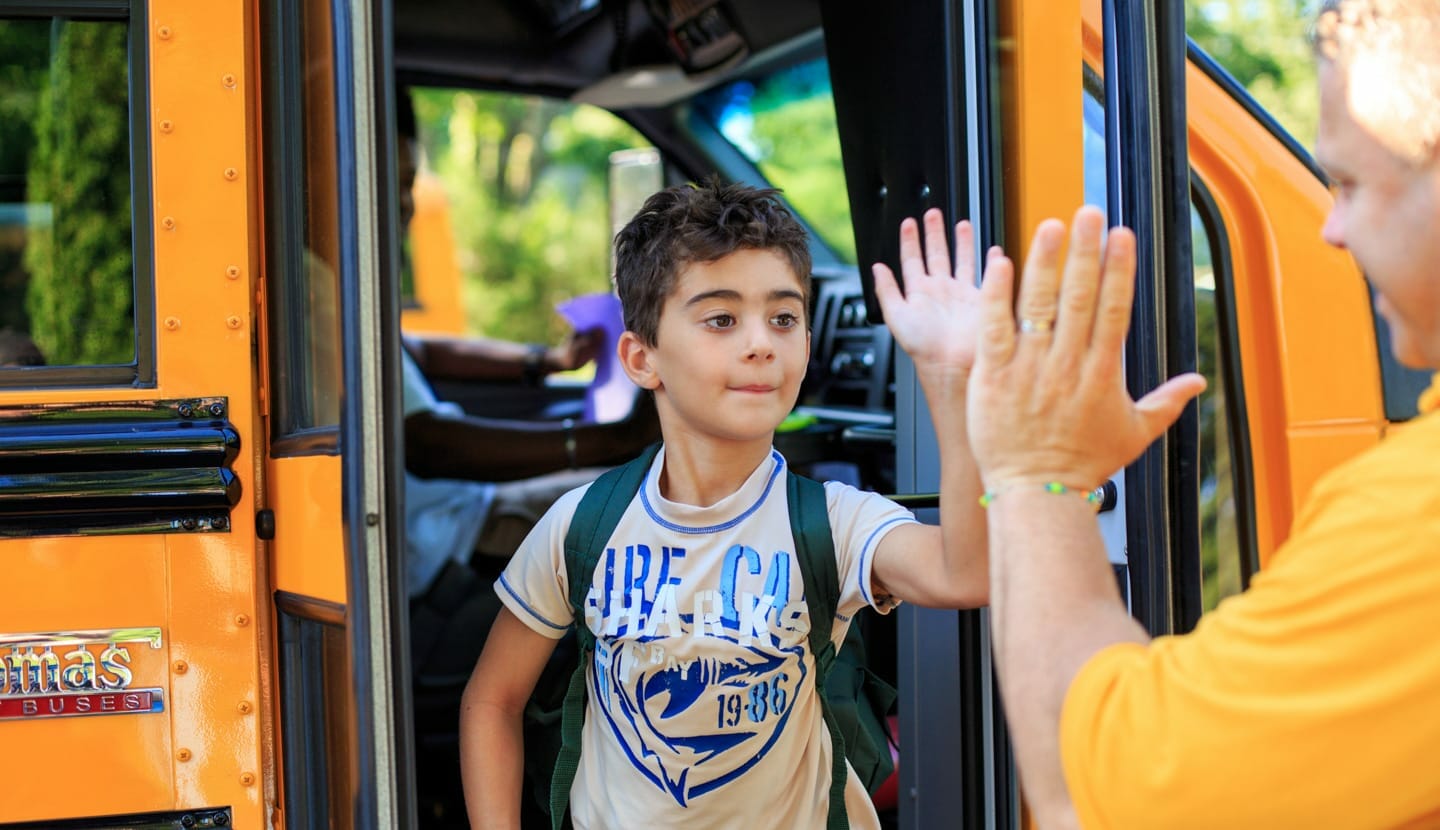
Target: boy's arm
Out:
[492,751]
[936,321]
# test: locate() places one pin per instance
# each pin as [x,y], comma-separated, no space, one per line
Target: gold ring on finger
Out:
[1030,326]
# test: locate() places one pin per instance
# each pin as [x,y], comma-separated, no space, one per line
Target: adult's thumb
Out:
[1159,409]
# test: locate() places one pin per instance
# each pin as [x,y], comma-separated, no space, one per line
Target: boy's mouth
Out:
[757,388]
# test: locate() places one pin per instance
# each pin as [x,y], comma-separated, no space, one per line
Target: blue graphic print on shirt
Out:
[695,699]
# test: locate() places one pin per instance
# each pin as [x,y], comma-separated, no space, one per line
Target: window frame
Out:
[140,372]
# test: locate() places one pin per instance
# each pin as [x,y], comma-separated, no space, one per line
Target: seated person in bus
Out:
[1309,700]
[714,281]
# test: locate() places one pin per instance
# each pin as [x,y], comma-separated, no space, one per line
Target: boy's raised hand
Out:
[936,320]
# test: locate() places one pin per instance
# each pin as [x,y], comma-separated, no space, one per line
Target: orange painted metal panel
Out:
[440,305]
[308,552]
[1041,78]
[199,590]
[1306,338]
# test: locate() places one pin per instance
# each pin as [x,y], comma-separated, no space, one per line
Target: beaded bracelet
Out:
[1091,497]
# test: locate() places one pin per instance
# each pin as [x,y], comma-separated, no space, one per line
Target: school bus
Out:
[203,281]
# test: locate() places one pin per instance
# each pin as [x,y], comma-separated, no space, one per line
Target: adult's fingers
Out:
[1117,292]
[937,255]
[1080,284]
[997,324]
[1037,305]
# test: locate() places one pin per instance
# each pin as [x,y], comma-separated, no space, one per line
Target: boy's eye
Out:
[720,321]
[785,320]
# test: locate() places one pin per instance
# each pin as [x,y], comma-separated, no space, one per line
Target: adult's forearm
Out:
[1054,604]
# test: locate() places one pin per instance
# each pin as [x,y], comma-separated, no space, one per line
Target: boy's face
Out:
[730,351]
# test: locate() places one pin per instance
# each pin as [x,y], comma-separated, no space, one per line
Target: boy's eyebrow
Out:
[732,294]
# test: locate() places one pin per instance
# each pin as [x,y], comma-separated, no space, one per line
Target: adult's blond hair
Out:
[1390,52]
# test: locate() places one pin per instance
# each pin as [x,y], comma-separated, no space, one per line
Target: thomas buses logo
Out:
[76,673]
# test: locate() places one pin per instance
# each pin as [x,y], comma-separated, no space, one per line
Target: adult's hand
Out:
[1047,399]
[579,348]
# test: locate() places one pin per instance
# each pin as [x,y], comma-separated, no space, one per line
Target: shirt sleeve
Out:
[858,521]
[535,586]
[1304,702]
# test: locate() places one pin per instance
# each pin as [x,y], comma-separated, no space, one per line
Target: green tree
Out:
[1264,44]
[526,182]
[81,293]
[25,47]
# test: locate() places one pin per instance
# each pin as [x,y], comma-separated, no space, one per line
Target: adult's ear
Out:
[635,359]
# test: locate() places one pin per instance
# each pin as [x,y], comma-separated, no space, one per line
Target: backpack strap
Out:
[595,519]
[815,552]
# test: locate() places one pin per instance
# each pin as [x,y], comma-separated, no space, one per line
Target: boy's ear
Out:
[635,358]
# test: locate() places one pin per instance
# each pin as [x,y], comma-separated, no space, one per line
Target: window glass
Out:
[784,123]
[67,283]
[1220,545]
[303,193]
[510,211]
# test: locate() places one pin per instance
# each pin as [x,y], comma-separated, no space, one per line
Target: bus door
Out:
[134,620]
[333,303]
[332,513]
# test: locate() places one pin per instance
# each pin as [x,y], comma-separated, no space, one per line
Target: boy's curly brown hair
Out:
[699,223]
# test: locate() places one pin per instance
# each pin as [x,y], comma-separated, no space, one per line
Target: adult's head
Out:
[407,153]
[1379,140]
[693,224]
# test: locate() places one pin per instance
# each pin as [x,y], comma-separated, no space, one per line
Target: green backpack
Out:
[854,700]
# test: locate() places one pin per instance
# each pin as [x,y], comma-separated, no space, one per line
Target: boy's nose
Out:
[759,345]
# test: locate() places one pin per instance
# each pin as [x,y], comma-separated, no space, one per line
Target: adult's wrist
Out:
[534,368]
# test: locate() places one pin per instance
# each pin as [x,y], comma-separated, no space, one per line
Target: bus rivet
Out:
[228,80]
[372,519]
[231,173]
[172,323]
[181,667]
[219,523]
[233,272]
[189,523]
[182,755]
[924,191]
[163,32]
[232,321]
[244,707]
[242,620]
[168,223]
[217,409]
[247,779]
[883,192]
[166,125]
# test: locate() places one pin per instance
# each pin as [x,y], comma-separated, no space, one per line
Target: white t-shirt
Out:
[443,517]
[702,709]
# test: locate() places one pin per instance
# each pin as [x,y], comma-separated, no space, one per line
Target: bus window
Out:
[511,212]
[1223,545]
[303,249]
[68,273]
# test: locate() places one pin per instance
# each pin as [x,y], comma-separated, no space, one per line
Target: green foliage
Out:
[80,296]
[526,181]
[1265,45]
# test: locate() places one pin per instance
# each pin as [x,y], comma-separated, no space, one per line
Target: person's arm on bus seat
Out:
[1050,419]
[936,322]
[482,359]
[492,710]
[444,445]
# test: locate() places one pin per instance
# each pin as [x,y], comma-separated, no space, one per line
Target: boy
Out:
[705,713]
